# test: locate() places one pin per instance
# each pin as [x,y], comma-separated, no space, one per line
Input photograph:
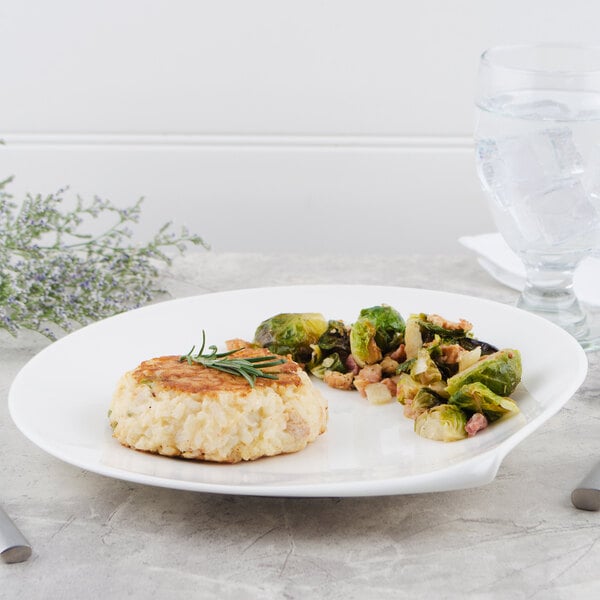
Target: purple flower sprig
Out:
[53,274]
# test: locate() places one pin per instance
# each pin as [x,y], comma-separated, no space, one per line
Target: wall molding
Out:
[133,140]
[306,194]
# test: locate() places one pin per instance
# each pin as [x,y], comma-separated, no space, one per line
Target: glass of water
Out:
[538,157]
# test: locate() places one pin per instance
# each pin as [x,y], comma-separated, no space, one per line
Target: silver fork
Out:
[14,547]
[586,495]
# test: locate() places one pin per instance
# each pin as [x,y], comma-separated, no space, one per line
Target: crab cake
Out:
[176,409]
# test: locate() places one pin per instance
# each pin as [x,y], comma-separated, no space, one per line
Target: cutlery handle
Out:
[13,546]
[587,494]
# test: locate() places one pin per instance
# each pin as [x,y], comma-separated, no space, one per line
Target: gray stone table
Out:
[517,537]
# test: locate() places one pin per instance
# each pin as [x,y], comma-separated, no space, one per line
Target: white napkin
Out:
[503,264]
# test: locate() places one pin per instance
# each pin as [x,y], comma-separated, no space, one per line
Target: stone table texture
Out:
[517,537]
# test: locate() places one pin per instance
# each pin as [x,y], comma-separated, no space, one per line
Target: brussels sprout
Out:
[476,397]
[444,422]
[429,330]
[413,340]
[379,329]
[425,399]
[406,387]
[406,366]
[432,325]
[362,343]
[424,370]
[468,358]
[439,355]
[316,357]
[471,343]
[500,372]
[291,333]
[447,370]
[389,326]
[329,363]
[335,339]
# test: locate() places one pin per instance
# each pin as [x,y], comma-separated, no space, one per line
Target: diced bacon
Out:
[368,374]
[339,381]
[476,423]
[391,385]
[372,373]
[352,365]
[399,354]
[452,325]
[451,353]
[389,366]
[408,411]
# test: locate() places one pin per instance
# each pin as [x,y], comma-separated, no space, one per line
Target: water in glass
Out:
[538,157]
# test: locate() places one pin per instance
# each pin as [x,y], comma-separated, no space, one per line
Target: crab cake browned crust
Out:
[177,409]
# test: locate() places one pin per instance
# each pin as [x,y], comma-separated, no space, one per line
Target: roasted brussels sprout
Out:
[335,339]
[471,343]
[442,354]
[478,398]
[291,333]
[362,343]
[424,370]
[406,388]
[432,325]
[413,339]
[406,366]
[379,329]
[425,399]
[329,363]
[500,372]
[389,326]
[429,330]
[468,358]
[445,423]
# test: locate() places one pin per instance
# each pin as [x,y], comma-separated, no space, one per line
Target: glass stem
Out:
[549,292]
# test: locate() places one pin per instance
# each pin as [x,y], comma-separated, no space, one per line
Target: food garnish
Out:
[249,368]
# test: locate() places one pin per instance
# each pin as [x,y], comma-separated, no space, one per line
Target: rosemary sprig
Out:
[248,368]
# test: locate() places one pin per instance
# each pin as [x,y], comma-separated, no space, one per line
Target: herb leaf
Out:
[249,368]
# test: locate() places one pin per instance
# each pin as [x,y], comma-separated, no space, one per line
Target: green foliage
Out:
[53,273]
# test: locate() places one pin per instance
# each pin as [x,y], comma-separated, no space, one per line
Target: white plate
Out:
[59,400]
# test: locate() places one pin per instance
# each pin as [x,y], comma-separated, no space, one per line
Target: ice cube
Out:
[514,167]
[568,158]
[499,178]
[525,221]
[489,164]
[540,155]
[562,213]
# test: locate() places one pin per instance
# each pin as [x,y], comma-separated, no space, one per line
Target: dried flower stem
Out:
[53,273]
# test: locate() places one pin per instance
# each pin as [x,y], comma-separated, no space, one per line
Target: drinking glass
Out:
[537,140]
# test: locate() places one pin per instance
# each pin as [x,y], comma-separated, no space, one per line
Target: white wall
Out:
[313,126]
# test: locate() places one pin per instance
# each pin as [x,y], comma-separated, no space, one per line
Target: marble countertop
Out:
[517,537]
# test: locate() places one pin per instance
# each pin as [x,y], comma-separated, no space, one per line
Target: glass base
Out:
[582,321]
[549,292]
[589,336]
